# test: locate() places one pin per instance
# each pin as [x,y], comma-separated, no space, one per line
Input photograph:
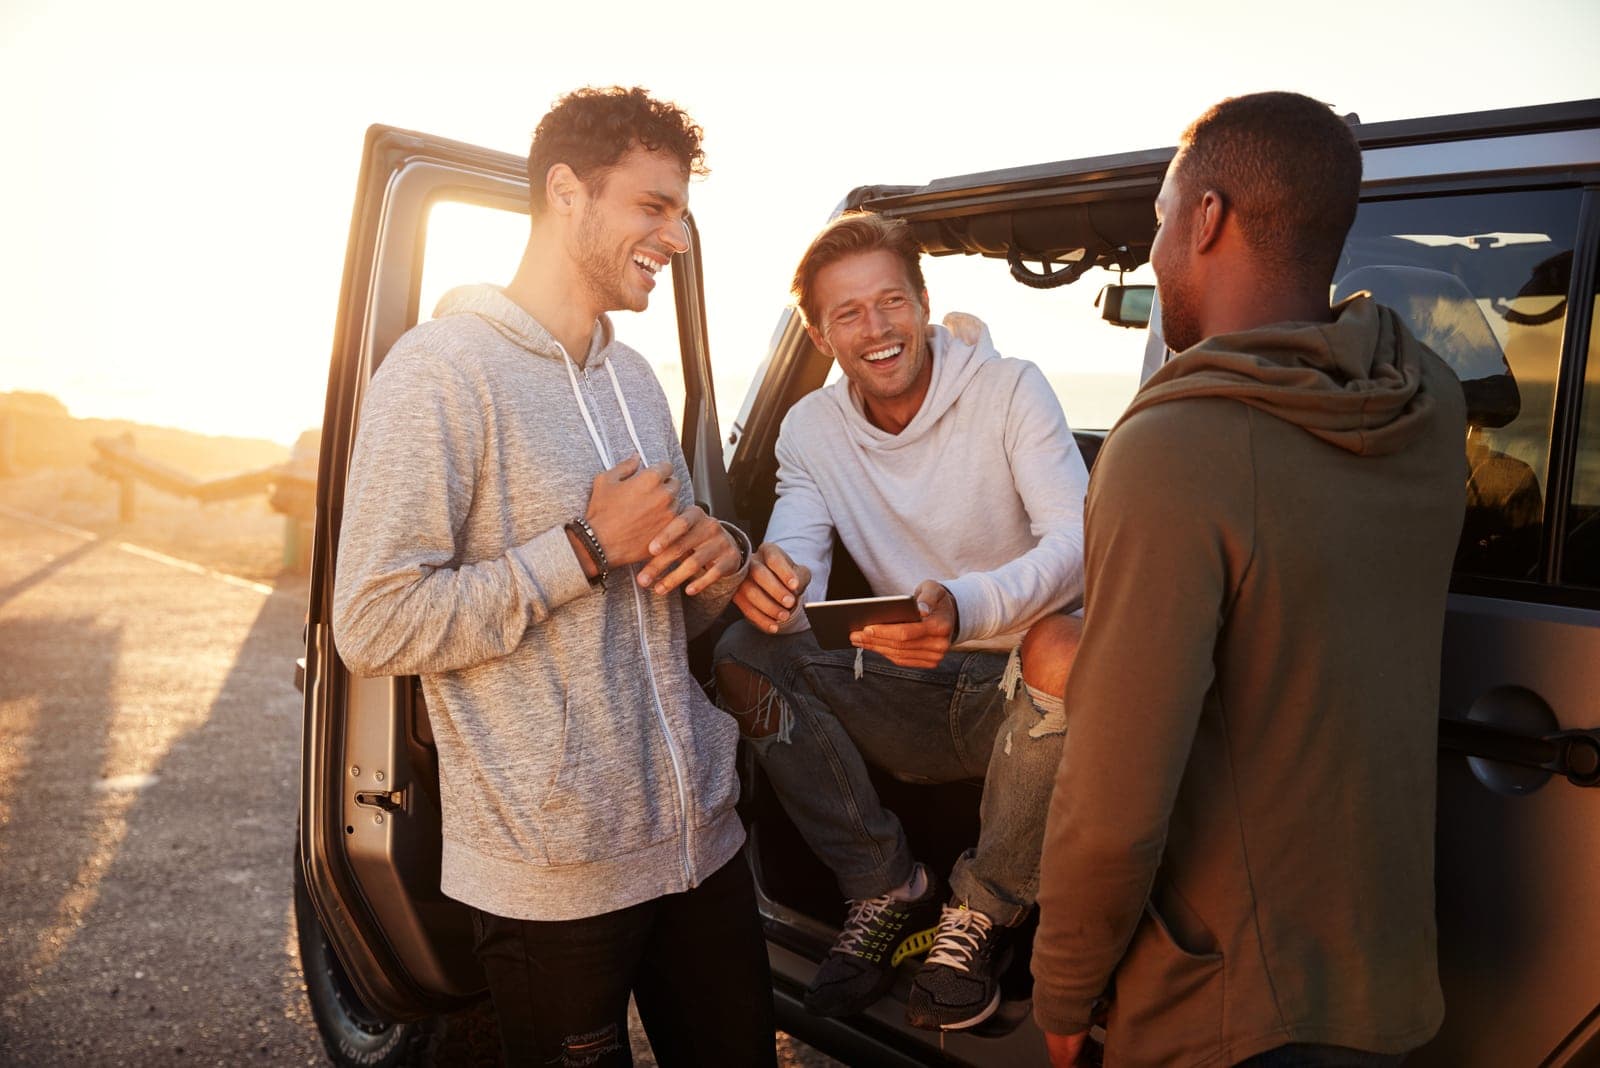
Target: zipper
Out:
[666,731]
[639,615]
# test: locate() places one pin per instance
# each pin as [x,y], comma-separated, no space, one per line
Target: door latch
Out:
[387,800]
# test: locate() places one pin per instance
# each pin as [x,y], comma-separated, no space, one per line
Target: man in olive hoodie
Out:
[1239,852]
[519,530]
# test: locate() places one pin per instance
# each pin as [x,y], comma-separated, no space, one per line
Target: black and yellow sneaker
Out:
[878,934]
[958,985]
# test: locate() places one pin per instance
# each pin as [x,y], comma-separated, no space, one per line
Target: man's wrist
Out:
[586,547]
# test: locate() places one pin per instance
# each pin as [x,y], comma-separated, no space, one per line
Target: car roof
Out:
[1054,210]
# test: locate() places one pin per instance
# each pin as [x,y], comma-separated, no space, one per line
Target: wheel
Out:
[354,1035]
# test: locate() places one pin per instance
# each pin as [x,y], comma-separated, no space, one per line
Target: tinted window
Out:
[1580,557]
[1482,279]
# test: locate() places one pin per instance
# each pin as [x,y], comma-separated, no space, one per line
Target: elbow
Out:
[356,637]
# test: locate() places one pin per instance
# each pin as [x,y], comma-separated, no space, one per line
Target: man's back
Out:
[1297,586]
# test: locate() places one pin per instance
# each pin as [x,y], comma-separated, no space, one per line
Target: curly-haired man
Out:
[519,530]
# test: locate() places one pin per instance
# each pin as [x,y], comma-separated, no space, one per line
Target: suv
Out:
[1482,229]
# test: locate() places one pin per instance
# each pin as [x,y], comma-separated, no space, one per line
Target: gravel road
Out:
[149,733]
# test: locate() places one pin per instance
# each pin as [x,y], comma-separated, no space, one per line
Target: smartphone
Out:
[832,621]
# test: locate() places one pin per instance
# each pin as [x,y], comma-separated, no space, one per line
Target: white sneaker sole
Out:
[983,1014]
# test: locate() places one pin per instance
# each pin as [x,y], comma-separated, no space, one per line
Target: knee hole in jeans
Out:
[752,700]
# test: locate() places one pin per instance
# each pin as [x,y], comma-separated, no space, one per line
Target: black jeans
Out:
[695,962]
[1311,1055]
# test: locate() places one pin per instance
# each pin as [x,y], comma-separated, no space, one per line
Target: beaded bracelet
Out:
[591,543]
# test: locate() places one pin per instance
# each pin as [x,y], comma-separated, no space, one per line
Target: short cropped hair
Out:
[1289,169]
[851,233]
[590,130]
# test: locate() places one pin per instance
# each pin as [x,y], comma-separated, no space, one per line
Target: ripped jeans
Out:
[817,725]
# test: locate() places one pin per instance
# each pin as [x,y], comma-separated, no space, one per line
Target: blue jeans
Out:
[820,725]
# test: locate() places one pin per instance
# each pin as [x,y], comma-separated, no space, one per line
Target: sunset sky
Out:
[174,211]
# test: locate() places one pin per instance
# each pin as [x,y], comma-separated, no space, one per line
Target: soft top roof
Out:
[1064,210]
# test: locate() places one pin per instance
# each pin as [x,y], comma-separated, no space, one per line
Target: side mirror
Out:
[1125,305]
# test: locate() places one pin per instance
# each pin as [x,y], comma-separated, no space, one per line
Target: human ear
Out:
[819,341]
[561,187]
[1213,213]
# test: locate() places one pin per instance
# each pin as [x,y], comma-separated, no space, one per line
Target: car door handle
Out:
[1573,754]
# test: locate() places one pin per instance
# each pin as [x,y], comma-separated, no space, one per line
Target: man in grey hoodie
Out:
[519,531]
[948,472]
[1240,839]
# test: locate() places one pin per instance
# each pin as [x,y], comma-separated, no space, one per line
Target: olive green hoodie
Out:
[1242,825]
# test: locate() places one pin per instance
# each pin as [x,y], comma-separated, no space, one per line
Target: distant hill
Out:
[36,431]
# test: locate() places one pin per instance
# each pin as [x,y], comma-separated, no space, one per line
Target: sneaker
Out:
[878,934]
[958,985]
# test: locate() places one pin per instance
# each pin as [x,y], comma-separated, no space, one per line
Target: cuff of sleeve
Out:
[1061,1015]
[549,570]
[971,621]
[742,540]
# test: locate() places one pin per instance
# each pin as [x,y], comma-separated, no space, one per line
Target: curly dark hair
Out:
[591,129]
[1288,167]
[852,233]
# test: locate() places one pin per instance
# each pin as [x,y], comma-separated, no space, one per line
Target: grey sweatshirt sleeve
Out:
[801,524]
[404,602]
[1050,477]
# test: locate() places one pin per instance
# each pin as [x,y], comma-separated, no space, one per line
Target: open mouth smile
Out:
[648,265]
[887,352]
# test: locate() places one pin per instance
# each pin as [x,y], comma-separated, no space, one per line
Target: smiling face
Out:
[630,221]
[875,324]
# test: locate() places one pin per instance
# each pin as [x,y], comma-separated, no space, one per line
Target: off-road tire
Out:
[354,1035]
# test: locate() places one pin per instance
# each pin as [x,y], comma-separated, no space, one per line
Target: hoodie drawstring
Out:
[588,419]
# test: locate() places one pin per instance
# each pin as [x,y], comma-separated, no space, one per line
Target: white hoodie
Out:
[983,491]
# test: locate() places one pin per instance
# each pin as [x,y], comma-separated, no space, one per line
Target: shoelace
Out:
[863,914]
[961,931]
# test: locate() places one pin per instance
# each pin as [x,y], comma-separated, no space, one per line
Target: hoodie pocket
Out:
[610,795]
[1169,995]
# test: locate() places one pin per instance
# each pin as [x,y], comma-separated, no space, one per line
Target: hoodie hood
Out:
[954,363]
[1356,382]
[491,304]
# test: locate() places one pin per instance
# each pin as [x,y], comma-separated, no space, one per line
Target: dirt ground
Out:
[144,863]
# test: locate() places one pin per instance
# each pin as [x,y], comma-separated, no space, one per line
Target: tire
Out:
[354,1035]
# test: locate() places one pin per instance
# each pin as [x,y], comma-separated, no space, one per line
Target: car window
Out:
[1482,279]
[1092,365]
[470,243]
[1580,558]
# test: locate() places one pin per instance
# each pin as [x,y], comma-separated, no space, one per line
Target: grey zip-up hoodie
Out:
[581,767]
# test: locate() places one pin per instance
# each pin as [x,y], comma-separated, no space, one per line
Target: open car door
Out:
[369,835]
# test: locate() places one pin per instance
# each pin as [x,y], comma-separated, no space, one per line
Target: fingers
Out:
[966,328]
[791,575]
[703,553]
[759,608]
[765,599]
[622,470]
[662,470]
[928,594]
[662,545]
